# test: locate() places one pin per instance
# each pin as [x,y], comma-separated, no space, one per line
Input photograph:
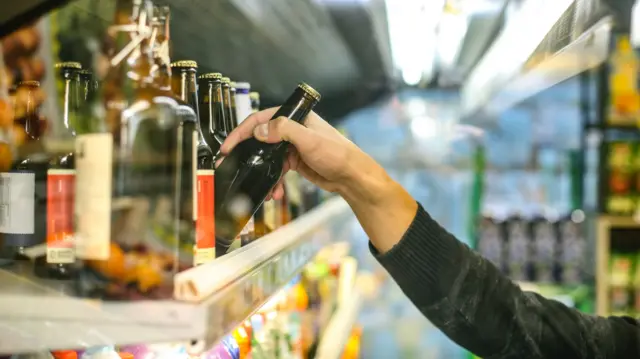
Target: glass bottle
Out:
[242,101]
[212,113]
[129,177]
[59,259]
[187,136]
[185,87]
[23,190]
[252,169]
[229,113]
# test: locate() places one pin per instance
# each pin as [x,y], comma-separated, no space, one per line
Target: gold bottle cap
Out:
[226,80]
[310,91]
[254,95]
[185,63]
[211,75]
[86,72]
[68,65]
[29,83]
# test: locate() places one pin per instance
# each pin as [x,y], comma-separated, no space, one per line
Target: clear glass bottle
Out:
[129,177]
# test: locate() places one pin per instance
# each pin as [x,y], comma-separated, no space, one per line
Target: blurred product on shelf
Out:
[185,87]
[24,187]
[622,185]
[229,110]
[244,106]
[212,114]
[132,182]
[621,278]
[541,248]
[624,103]
[58,262]
[252,169]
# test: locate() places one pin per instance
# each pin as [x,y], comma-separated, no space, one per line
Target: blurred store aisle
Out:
[392,326]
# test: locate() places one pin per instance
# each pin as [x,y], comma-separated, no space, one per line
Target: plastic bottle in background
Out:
[620,267]
[232,347]
[544,235]
[572,248]
[101,352]
[518,247]
[65,354]
[490,238]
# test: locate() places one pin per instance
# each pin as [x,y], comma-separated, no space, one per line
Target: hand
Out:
[322,155]
[318,151]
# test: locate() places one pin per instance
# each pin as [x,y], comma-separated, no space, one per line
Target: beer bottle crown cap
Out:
[211,75]
[310,91]
[226,80]
[86,72]
[68,65]
[185,63]
[243,85]
[29,83]
[254,95]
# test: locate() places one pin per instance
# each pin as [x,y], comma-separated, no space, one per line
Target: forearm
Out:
[384,209]
[463,294]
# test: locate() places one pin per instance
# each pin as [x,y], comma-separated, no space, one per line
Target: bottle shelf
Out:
[210,300]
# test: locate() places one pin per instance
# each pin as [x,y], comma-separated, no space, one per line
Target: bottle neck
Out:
[228,111]
[129,59]
[70,102]
[211,106]
[184,86]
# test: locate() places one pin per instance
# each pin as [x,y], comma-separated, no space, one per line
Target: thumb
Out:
[284,129]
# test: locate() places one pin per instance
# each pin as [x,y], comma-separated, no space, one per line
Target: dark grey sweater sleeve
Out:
[476,306]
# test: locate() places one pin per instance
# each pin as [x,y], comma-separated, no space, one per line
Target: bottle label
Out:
[194,175]
[292,185]
[94,159]
[17,202]
[60,201]
[205,223]
[269,211]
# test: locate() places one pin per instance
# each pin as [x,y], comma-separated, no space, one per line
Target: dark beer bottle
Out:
[234,109]
[185,87]
[129,178]
[23,190]
[59,260]
[251,170]
[212,112]
[229,112]
[264,218]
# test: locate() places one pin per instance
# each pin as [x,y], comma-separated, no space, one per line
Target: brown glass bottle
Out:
[252,169]
[212,111]
[229,111]
[185,87]
[23,189]
[232,101]
[129,179]
[59,259]
[263,222]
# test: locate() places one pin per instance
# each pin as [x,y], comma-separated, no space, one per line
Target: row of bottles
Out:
[542,247]
[123,192]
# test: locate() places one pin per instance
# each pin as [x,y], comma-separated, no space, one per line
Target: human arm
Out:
[460,292]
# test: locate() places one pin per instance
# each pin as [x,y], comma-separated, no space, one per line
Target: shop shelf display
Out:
[157,283]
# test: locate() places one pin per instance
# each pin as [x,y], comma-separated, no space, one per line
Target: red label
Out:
[205,222]
[60,212]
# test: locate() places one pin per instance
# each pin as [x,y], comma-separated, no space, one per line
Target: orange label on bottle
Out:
[60,202]
[205,250]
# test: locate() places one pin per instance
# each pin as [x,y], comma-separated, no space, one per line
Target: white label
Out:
[17,202]
[269,212]
[194,175]
[243,107]
[292,185]
[94,158]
